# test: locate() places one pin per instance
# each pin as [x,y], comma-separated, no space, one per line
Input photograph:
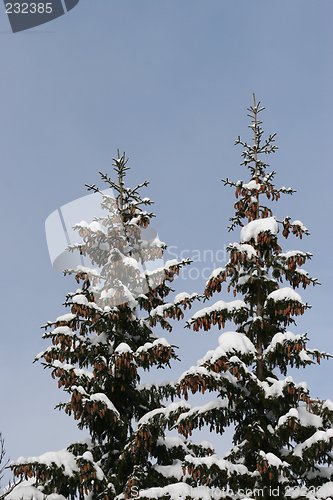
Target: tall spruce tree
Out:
[283,438]
[98,352]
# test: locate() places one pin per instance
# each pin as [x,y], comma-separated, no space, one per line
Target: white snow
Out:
[160,310]
[294,253]
[232,306]
[235,341]
[300,224]
[149,345]
[100,397]
[151,414]
[171,263]
[245,277]
[275,388]
[62,459]
[179,491]
[171,408]
[281,338]
[325,491]
[83,301]
[79,372]
[161,341]
[206,357]
[216,273]
[318,436]
[180,297]
[129,261]
[255,227]
[207,445]
[123,348]
[305,418]
[273,460]
[325,472]
[221,463]
[252,185]
[156,242]
[65,317]
[304,356]
[87,455]
[63,330]
[172,442]
[244,248]
[113,294]
[231,343]
[171,471]
[286,293]
[79,389]
[27,491]
[199,410]
[308,419]
[80,299]
[87,270]
[199,371]
[302,272]
[94,226]
[328,405]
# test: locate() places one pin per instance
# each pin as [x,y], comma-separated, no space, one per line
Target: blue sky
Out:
[169,83]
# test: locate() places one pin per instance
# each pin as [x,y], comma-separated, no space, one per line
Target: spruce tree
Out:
[283,437]
[99,350]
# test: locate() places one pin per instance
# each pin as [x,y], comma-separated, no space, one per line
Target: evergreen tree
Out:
[283,438]
[98,351]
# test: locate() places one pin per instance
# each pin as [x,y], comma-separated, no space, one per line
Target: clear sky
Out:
[169,83]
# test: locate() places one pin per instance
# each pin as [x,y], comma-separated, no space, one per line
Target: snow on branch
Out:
[259,231]
[322,441]
[214,466]
[177,491]
[296,227]
[219,313]
[215,414]
[285,302]
[172,309]
[214,283]
[300,417]
[158,352]
[198,378]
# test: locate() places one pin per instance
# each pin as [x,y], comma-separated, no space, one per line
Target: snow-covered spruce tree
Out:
[98,351]
[283,438]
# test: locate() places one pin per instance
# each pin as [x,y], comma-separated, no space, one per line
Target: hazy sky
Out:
[169,82]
